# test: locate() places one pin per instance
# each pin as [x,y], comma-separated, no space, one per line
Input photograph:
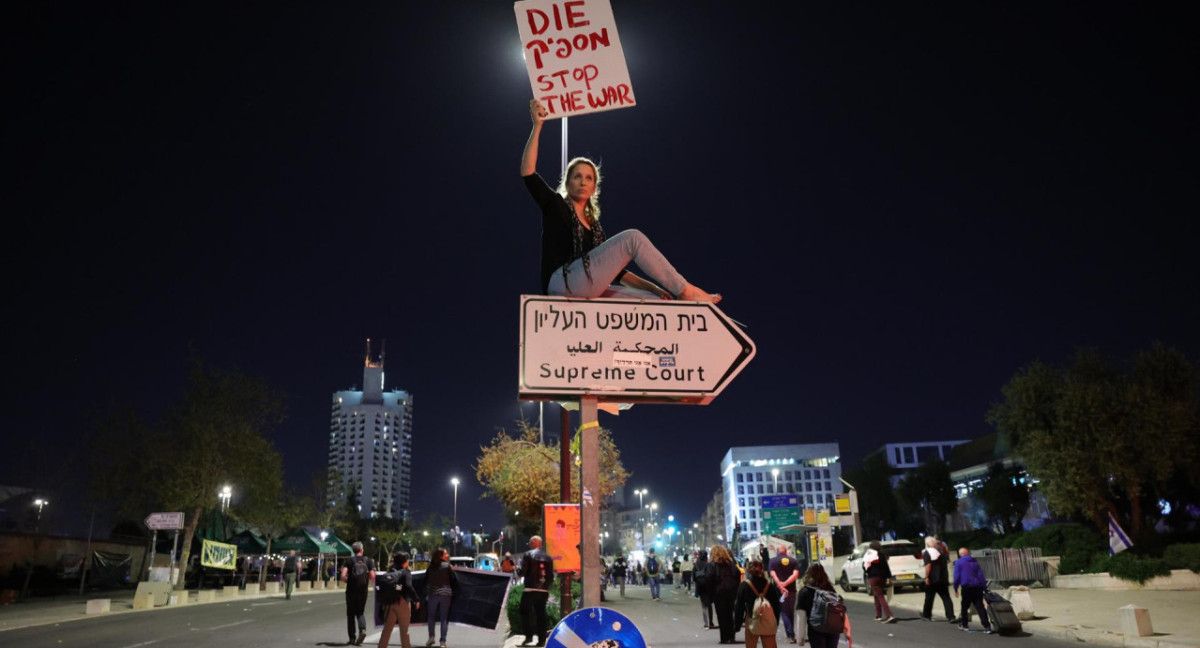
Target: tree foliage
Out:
[929,489]
[214,436]
[1102,441]
[523,474]
[1004,495]
[878,510]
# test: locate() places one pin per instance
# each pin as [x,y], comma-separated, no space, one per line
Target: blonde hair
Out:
[593,206]
[720,554]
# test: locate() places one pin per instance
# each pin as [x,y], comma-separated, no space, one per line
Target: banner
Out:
[218,555]
[479,599]
[573,56]
[562,536]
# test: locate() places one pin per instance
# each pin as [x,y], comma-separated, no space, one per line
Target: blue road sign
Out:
[598,627]
[780,501]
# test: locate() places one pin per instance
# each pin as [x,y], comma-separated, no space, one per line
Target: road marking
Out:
[144,643]
[230,625]
[262,604]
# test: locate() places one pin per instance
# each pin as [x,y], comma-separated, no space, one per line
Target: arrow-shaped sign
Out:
[628,350]
[164,521]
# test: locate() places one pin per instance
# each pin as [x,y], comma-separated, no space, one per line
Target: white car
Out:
[904,559]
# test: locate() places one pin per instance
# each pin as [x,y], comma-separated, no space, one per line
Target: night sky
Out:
[904,202]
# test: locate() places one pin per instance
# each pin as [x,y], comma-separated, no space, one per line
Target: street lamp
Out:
[225,494]
[454,482]
[775,474]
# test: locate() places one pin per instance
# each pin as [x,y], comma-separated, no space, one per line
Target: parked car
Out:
[904,559]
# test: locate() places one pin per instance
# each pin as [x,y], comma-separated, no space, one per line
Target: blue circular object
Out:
[595,627]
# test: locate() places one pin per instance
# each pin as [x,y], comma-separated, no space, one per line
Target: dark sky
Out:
[905,204]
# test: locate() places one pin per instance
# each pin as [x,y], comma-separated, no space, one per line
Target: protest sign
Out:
[573,56]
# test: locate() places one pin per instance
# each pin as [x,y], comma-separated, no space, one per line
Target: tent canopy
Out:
[302,541]
[772,543]
[248,544]
[342,548]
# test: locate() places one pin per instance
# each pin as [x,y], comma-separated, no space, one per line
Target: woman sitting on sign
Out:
[577,259]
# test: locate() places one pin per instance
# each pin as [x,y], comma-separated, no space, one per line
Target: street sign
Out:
[779,511]
[164,521]
[841,503]
[623,350]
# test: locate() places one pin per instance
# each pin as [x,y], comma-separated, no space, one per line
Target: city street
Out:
[319,620]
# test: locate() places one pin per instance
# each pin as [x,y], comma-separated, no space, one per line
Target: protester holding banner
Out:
[439,589]
[577,259]
[399,598]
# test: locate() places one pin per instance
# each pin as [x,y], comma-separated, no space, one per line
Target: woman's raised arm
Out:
[537,114]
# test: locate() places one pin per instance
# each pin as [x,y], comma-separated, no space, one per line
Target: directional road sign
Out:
[164,521]
[623,350]
[779,511]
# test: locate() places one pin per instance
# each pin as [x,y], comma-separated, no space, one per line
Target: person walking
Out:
[620,570]
[727,578]
[814,579]
[784,573]
[440,582]
[399,602]
[703,575]
[358,574]
[758,585]
[879,576]
[289,574]
[653,572]
[937,579]
[538,569]
[685,570]
[969,575]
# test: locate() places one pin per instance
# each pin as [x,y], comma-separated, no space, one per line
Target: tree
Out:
[878,510]
[930,489]
[1004,495]
[523,474]
[214,436]
[272,515]
[1100,441]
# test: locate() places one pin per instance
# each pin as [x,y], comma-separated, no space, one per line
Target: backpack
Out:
[761,618]
[828,613]
[700,576]
[358,573]
[652,566]
[387,586]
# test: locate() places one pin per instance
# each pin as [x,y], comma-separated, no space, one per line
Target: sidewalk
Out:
[1088,616]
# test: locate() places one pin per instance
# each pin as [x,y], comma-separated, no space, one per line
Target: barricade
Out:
[99,606]
[1013,565]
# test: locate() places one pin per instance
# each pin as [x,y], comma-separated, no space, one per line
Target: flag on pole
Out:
[1117,540]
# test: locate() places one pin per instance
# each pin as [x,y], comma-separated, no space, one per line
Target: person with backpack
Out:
[653,571]
[358,574]
[538,568]
[820,611]
[757,606]
[726,579]
[397,596]
[440,583]
[704,588]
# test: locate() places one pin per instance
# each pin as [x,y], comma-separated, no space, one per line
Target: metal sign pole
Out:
[174,553]
[153,548]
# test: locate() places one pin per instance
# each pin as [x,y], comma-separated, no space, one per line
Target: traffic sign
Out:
[779,511]
[164,521]
[623,350]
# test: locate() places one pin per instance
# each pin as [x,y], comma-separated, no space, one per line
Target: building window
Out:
[741,490]
[760,489]
[908,455]
[739,477]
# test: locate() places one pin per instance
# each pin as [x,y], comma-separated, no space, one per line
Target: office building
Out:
[810,470]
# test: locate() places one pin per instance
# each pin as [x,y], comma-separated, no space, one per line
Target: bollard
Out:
[1135,621]
[206,596]
[99,606]
[230,591]
[178,598]
[271,587]
[143,601]
[1022,602]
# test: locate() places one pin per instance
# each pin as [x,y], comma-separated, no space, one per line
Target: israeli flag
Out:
[1117,540]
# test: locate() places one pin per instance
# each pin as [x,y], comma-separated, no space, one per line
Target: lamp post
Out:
[225,494]
[454,482]
[775,474]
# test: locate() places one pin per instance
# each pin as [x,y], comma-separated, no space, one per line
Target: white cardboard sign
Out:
[573,56]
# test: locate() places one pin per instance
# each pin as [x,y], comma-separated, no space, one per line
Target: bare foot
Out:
[692,293]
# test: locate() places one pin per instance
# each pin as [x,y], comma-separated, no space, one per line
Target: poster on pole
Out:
[562,536]
[573,56]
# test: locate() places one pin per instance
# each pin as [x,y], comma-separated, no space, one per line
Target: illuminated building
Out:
[370,446]
[808,470]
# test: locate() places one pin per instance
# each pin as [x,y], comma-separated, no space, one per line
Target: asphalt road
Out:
[319,620]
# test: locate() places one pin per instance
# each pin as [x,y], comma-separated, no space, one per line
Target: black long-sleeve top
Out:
[744,602]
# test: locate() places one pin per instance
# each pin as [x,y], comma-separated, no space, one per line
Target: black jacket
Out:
[746,596]
[538,569]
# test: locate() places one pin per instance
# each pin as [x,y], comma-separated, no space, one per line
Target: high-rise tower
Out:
[370,446]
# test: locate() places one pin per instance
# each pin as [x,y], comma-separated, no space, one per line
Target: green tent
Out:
[248,544]
[303,542]
[342,548]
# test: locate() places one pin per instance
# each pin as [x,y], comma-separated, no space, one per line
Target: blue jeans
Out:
[654,587]
[608,259]
[439,610]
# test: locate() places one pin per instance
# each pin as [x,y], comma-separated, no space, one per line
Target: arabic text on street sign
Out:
[164,521]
